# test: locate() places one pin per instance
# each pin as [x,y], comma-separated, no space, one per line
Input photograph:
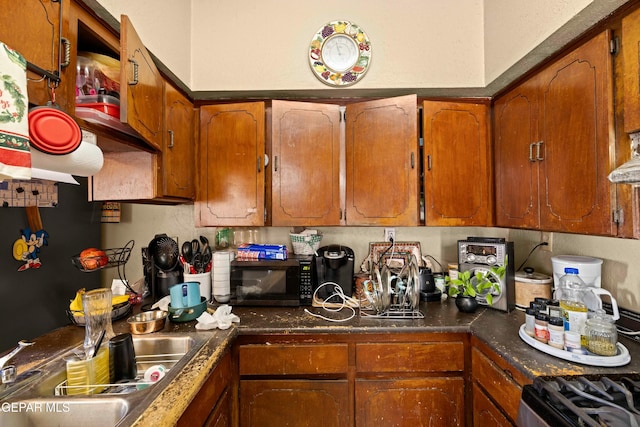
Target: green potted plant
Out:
[466,287]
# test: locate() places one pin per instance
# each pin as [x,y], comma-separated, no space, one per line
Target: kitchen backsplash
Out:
[620,272]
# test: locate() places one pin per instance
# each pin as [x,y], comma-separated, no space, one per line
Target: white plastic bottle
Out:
[572,289]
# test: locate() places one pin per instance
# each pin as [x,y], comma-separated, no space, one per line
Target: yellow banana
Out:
[76,303]
[119,299]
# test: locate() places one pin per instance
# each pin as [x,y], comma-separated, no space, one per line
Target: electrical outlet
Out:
[389,233]
[546,236]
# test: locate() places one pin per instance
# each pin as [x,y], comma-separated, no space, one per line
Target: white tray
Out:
[621,358]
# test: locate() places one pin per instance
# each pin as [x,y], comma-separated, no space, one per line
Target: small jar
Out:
[554,309]
[542,327]
[601,334]
[530,322]
[541,300]
[542,308]
[453,271]
[556,332]
[572,342]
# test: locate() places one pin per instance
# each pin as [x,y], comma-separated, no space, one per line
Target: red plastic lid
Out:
[53,131]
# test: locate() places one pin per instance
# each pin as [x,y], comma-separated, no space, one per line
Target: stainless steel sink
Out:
[42,400]
[80,411]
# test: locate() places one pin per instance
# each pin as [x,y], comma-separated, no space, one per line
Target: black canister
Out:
[122,358]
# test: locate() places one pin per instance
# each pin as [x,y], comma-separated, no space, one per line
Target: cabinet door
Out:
[231,165]
[382,162]
[32,27]
[212,405]
[140,86]
[305,164]
[497,381]
[631,71]
[485,413]
[516,168]
[458,178]
[312,403]
[410,402]
[178,165]
[575,125]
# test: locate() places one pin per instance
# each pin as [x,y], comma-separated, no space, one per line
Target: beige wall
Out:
[262,45]
[165,27]
[621,269]
[513,27]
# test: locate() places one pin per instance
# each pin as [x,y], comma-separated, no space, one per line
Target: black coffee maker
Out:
[160,266]
[333,263]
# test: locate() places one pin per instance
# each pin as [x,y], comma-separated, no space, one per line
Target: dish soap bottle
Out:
[572,289]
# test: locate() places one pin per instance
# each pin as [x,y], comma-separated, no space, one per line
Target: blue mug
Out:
[185,295]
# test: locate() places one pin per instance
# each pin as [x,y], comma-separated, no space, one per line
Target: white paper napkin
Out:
[222,318]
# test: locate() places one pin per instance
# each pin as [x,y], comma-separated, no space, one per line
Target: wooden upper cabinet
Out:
[567,144]
[231,165]
[382,162]
[32,27]
[631,71]
[516,168]
[576,119]
[458,177]
[305,168]
[140,86]
[178,151]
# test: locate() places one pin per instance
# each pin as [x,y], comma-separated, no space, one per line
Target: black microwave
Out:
[272,282]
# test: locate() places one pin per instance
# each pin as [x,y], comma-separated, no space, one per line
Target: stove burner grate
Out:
[580,401]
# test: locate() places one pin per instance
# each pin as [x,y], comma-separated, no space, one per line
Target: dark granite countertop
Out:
[499,330]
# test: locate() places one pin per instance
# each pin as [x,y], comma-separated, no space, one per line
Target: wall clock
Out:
[340,53]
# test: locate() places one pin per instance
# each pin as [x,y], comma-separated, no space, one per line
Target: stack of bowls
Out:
[222,276]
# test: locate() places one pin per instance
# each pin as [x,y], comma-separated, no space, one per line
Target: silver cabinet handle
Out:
[428,162]
[531,159]
[413,160]
[135,73]
[259,167]
[66,58]
[538,150]
[170,139]
[275,163]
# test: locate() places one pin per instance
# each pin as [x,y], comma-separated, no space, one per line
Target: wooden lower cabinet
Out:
[497,387]
[352,380]
[212,406]
[296,402]
[410,402]
[485,412]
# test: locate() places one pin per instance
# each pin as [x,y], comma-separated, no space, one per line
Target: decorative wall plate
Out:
[340,53]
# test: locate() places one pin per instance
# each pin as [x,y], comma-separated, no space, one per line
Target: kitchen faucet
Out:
[9,373]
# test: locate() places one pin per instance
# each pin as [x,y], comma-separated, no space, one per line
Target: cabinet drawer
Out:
[497,383]
[293,359]
[410,357]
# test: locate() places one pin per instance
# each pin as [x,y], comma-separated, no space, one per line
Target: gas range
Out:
[581,401]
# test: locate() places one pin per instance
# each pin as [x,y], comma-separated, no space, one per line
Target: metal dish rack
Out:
[124,387]
[395,311]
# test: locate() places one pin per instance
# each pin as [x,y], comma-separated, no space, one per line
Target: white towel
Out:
[15,155]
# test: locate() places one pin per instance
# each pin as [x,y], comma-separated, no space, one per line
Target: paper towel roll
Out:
[86,160]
